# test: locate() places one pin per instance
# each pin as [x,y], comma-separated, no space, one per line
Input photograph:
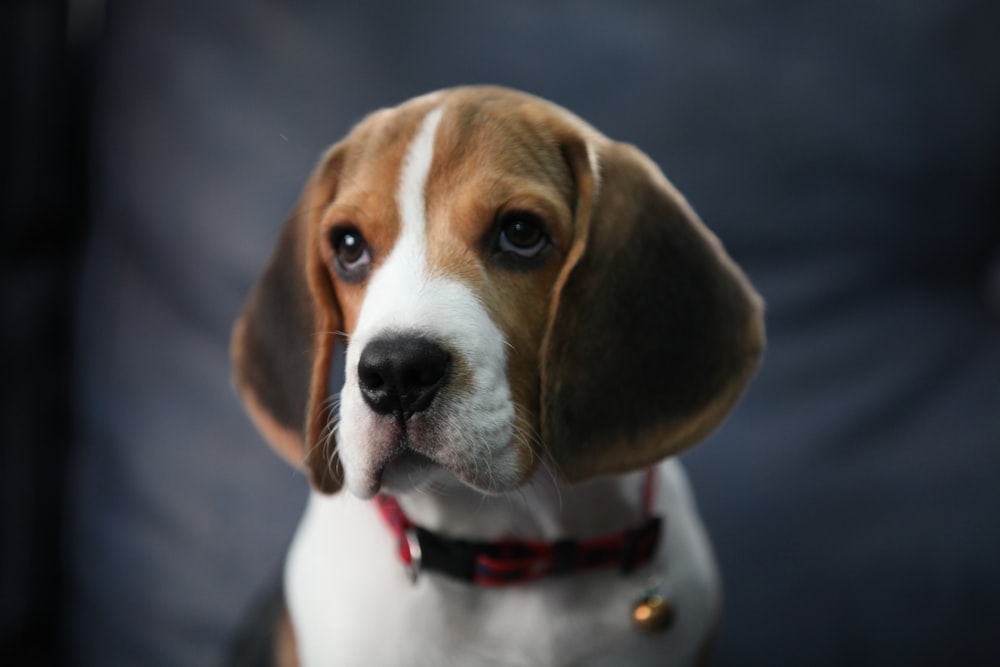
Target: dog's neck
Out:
[543,509]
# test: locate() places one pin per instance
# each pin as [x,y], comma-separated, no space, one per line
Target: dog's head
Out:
[513,289]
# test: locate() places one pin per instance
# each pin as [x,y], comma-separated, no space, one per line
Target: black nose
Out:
[401,375]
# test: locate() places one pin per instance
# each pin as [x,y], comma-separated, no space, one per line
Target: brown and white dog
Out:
[532,317]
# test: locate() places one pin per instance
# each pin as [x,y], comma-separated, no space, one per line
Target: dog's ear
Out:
[653,331]
[284,340]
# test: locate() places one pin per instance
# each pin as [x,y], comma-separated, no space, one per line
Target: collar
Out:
[511,561]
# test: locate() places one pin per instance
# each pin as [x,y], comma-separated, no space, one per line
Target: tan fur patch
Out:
[286,652]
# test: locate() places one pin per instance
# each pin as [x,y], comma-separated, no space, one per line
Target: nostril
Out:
[402,374]
[369,376]
[428,369]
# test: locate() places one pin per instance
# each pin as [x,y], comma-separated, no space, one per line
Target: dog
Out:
[532,322]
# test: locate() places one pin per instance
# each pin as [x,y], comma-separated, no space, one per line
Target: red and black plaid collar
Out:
[511,561]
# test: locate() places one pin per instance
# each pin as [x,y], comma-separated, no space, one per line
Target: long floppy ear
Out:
[654,331]
[284,340]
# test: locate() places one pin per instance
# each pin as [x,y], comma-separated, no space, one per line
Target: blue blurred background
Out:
[847,153]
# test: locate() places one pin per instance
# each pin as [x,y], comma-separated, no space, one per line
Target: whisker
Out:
[528,435]
[327,440]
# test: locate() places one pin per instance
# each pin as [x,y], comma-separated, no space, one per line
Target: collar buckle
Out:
[413,564]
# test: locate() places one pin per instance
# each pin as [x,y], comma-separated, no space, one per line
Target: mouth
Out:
[406,470]
[403,470]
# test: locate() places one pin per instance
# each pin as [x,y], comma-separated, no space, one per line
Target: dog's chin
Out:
[405,470]
[410,470]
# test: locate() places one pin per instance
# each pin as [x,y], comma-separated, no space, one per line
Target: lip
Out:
[406,469]
[408,457]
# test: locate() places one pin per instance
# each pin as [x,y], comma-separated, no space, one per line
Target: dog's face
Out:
[513,289]
[444,277]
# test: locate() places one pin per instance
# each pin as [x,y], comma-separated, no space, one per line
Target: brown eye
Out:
[522,234]
[351,255]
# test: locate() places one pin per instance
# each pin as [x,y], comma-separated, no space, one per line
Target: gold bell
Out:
[653,613]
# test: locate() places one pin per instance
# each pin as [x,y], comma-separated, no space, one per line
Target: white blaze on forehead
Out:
[413,182]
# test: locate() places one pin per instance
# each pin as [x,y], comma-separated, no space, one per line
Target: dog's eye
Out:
[522,234]
[351,254]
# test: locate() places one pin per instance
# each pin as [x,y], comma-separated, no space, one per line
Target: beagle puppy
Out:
[533,321]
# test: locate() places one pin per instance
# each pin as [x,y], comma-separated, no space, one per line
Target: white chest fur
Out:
[352,603]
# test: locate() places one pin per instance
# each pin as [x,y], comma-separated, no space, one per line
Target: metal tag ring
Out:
[413,546]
